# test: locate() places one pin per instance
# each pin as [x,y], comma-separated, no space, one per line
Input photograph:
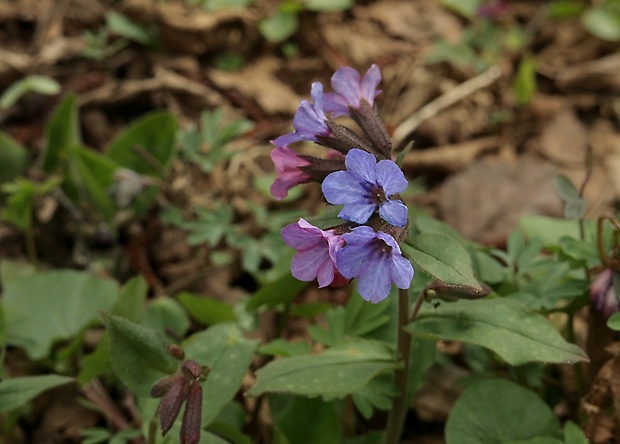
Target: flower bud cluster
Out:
[360,176]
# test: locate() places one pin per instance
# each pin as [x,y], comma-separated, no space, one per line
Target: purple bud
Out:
[603,293]
[161,387]
[171,404]
[192,418]
[288,164]
[191,369]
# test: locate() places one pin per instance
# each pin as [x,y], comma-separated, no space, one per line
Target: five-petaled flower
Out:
[316,253]
[376,260]
[309,121]
[350,89]
[287,164]
[365,186]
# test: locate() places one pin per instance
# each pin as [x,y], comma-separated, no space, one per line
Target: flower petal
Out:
[306,264]
[401,271]
[325,273]
[374,280]
[358,212]
[394,212]
[341,187]
[370,81]
[350,259]
[362,164]
[390,177]
[301,239]
[346,82]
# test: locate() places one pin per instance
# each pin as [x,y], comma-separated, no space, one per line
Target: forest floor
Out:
[496,104]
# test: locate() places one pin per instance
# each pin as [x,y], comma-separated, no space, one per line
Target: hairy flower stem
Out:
[396,418]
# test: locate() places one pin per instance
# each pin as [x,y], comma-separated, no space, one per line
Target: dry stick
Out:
[403,132]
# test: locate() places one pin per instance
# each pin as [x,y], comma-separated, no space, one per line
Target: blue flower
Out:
[376,260]
[365,186]
[309,121]
[350,90]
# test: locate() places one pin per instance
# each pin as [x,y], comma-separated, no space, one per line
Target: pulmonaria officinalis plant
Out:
[368,183]
[177,389]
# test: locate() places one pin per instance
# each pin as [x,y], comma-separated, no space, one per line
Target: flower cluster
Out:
[361,177]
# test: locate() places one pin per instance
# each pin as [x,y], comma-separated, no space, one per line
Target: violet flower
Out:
[376,260]
[287,163]
[365,186]
[309,121]
[350,89]
[316,253]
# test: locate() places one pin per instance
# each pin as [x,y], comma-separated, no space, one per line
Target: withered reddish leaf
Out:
[171,404]
[161,387]
[192,418]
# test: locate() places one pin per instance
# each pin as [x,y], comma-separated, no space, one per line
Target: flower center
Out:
[378,195]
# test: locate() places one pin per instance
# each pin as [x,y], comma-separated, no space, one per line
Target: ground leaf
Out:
[228,354]
[138,354]
[62,134]
[499,411]
[505,326]
[339,371]
[16,392]
[66,302]
[442,257]
[147,145]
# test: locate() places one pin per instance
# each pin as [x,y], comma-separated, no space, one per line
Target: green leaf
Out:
[524,83]
[328,5]
[147,145]
[466,8]
[14,271]
[206,310]
[337,372]
[550,230]
[442,257]
[38,84]
[282,347]
[573,434]
[614,322]
[166,314]
[562,9]
[602,23]
[280,291]
[279,26]
[574,205]
[121,25]
[13,158]
[228,354]
[54,305]
[130,305]
[503,325]
[301,420]
[16,392]
[94,174]
[62,134]
[497,411]
[377,394]
[138,354]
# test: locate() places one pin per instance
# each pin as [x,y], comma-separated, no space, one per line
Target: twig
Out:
[403,132]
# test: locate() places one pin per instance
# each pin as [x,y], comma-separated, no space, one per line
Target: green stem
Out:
[396,418]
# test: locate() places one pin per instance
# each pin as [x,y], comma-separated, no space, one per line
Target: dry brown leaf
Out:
[597,75]
[259,81]
[564,139]
[450,158]
[486,201]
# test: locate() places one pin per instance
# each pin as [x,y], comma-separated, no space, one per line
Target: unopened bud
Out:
[191,369]
[176,352]
[161,387]
[171,403]
[192,418]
